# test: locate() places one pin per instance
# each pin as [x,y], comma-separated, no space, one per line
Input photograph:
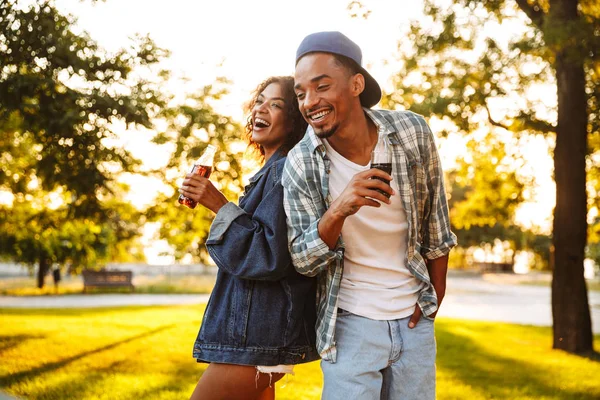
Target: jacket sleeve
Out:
[310,254]
[438,239]
[252,246]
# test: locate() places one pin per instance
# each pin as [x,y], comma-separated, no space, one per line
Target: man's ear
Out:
[357,84]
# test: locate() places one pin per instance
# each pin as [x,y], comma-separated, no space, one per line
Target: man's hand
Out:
[362,190]
[440,290]
[414,319]
[203,191]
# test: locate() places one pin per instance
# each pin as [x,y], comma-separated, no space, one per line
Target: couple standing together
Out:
[319,259]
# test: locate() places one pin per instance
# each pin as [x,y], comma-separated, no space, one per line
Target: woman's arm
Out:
[252,246]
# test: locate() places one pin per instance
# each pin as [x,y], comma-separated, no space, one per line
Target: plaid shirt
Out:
[416,168]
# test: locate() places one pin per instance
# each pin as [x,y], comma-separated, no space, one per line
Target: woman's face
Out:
[269,125]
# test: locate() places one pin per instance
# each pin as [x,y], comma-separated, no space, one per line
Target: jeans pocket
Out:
[342,313]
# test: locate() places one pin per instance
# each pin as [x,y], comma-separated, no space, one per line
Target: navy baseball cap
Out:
[338,43]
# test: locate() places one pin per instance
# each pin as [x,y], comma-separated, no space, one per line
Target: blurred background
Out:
[105,105]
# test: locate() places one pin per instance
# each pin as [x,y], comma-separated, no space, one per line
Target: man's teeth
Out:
[319,115]
[261,121]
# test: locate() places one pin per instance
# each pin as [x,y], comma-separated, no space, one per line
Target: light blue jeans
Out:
[381,360]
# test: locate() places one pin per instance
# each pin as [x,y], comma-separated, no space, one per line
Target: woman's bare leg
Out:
[234,382]
[267,394]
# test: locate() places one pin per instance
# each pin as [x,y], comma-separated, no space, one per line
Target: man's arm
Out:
[309,253]
[360,192]
[438,270]
[438,238]
[314,239]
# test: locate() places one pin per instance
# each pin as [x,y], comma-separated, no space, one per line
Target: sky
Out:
[248,41]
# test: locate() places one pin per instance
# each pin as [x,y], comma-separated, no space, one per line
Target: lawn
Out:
[145,353]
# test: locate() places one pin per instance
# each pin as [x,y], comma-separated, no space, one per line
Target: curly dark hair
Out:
[292,113]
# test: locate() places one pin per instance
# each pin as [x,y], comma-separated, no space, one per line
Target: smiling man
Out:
[380,251]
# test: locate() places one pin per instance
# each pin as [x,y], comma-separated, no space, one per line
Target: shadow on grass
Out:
[90,311]
[183,376]
[497,376]
[9,341]
[11,379]
[592,356]
[78,388]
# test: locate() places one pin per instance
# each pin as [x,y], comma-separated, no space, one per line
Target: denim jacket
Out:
[261,311]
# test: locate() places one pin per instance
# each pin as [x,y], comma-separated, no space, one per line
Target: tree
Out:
[192,125]
[460,65]
[60,95]
[485,192]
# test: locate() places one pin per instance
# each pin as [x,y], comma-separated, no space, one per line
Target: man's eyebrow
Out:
[313,80]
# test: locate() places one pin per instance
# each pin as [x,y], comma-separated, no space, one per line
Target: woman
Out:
[260,318]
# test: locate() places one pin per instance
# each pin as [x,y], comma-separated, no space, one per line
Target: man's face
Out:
[324,91]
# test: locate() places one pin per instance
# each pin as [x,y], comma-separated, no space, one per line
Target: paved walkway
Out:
[100,300]
[478,299]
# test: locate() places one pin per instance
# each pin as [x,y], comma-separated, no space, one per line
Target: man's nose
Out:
[310,100]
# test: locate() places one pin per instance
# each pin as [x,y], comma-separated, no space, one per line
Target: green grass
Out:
[145,353]
[143,284]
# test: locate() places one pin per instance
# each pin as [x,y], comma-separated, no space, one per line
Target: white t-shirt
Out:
[375,283]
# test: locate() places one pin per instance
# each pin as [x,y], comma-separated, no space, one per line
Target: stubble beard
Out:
[325,134]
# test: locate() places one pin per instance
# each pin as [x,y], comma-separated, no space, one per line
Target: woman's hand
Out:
[203,191]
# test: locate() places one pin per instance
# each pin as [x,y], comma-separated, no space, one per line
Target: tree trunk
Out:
[570,309]
[44,267]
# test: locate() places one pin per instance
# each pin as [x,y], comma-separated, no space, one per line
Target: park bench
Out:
[107,279]
[493,266]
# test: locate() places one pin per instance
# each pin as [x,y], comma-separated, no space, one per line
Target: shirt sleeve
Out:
[252,246]
[310,254]
[438,238]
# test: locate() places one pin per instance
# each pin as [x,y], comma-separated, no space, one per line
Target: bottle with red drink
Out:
[202,167]
[381,158]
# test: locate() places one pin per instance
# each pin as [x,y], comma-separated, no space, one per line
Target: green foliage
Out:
[192,126]
[457,67]
[60,95]
[485,188]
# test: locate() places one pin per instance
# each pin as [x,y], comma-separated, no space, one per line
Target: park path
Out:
[469,296]
[100,300]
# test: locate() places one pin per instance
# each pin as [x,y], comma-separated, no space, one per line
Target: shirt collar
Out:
[382,124]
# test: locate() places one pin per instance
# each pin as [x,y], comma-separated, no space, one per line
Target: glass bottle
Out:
[202,167]
[381,158]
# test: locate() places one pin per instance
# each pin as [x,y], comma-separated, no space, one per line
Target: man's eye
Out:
[322,87]
[299,96]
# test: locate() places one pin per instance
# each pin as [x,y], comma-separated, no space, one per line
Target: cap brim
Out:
[372,93]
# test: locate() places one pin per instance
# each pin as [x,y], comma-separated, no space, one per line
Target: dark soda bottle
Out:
[381,158]
[202,167]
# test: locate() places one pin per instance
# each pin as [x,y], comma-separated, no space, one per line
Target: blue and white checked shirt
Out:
[418,171]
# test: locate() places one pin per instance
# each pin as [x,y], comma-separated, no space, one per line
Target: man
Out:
[380,251]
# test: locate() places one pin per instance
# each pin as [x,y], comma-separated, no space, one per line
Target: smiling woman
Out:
[260,319]
[273,118]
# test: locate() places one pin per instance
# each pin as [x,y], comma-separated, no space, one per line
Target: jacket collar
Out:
[278,155]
